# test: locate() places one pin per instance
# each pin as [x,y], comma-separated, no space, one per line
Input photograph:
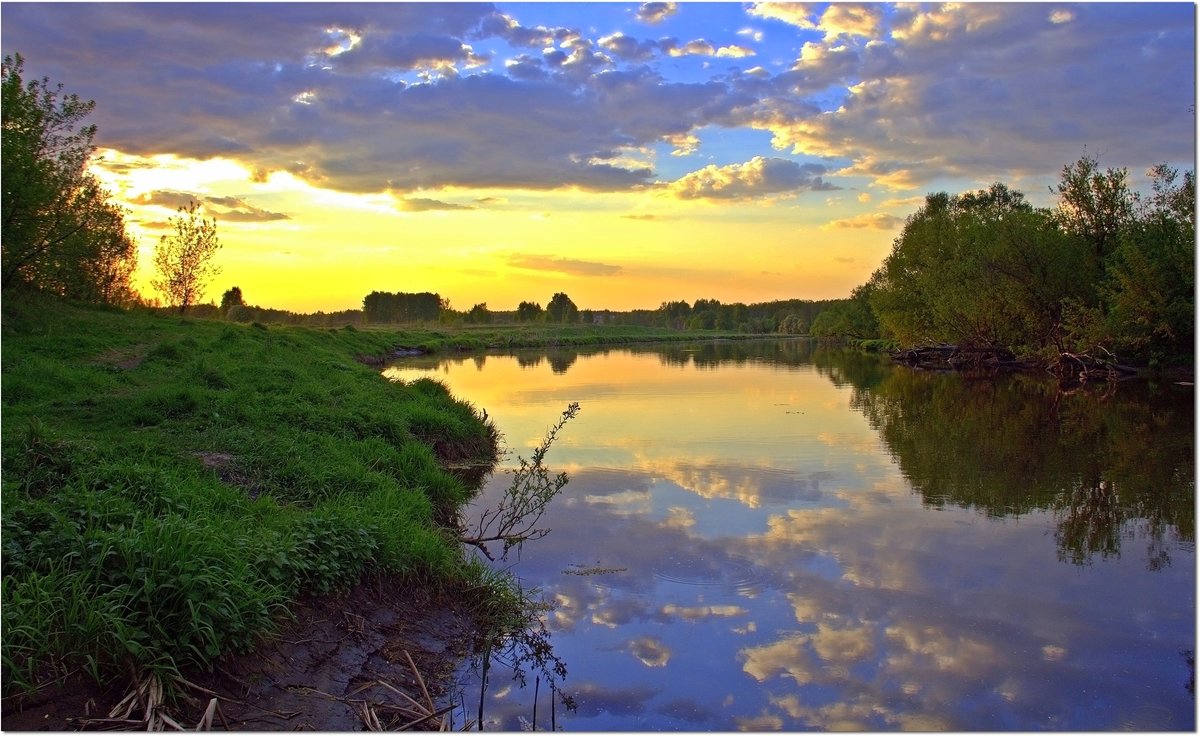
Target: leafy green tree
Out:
[60,231]
[982,268]
[562,309]
[479,315]
[1095,205]
[848,318]
[529,312]
[793,324]
[1151,289]
[390,307]
[231,298]
[184,260]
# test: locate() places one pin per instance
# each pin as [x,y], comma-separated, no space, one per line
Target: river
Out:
[772,535]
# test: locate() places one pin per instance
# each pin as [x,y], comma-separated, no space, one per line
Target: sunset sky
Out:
[625,154]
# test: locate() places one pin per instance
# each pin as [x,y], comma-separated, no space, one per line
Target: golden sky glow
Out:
[625,154]
[607,250]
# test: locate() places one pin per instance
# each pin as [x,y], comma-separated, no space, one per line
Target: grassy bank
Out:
[171,484]
[503,337]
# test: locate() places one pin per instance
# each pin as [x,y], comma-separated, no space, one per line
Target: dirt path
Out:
[336,655]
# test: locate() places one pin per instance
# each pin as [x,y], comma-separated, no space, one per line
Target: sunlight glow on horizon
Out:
[330,248]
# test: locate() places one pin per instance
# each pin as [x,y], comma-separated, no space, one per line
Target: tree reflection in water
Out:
[1113,466]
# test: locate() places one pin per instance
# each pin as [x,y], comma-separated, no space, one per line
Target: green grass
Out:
[171,484]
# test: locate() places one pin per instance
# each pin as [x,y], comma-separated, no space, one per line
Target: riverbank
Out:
[480,338]
[173,487]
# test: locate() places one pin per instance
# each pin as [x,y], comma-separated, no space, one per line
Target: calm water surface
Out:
[768,535]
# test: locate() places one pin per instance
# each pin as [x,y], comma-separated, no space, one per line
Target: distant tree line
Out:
[791,316]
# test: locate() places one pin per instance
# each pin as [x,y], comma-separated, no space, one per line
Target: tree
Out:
[184,260]
[1151,288]
[981,268]
[1095,205]
[382,306]
[231,298]
[479,315]
[529,312]
[60,231]
[562,309]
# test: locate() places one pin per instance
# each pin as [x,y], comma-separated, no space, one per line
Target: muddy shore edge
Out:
[334,655]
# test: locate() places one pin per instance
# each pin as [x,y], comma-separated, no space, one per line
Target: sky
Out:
[625,154]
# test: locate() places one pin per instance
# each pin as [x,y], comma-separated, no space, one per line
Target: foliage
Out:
[61,234]
[529,312]
[561,309]
[184,260]
[848,319]
[231,298]
[986,269]
[479,315]
[1095,205]
[1151,288]
[513,521]
[793,324]
[387,307]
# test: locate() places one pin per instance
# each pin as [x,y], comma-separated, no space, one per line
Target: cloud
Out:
[568,266]
[244,82]
[850,19]
[652,652]
[699,47]
[796,14]
[167,198]
[758,177]
[231,209]
[656,12]
[989,91]
[423,204]
[629,48]
[874,221]
[734,51]
[413,96]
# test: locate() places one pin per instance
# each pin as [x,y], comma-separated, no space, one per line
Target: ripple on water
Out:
[1149,718]
[734,574]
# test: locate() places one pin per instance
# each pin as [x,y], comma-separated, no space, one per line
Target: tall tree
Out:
[1151,288]
[529,312]
[562,309]
[1095,204]
[184,260]
[60,231]
[232,298]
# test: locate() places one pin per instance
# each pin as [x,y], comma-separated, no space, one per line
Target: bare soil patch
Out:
[337,655]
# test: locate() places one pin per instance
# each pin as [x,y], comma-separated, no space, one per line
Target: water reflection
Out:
[782,536]
[1113,468]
